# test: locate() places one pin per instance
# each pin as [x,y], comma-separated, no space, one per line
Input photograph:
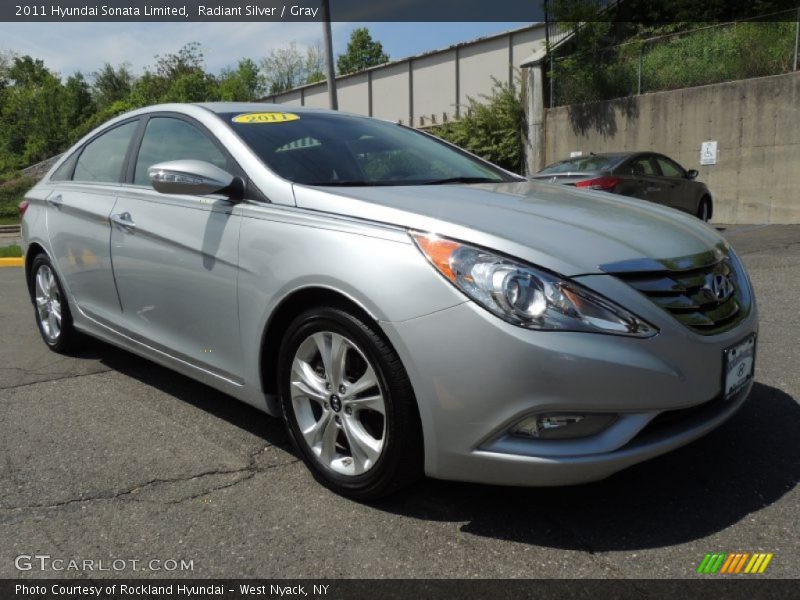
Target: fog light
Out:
[562,426]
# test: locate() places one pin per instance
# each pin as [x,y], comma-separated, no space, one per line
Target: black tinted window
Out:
[102,158]
[582,164]
[173,139]
[332,149]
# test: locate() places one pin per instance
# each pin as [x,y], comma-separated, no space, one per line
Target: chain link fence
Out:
[700,56]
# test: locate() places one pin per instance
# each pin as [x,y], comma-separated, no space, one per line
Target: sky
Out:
[69,47]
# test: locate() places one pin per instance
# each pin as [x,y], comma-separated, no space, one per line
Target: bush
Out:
[493,129]
[12,191]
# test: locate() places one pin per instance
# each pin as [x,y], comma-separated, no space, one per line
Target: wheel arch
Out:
[34,250]
[286,311]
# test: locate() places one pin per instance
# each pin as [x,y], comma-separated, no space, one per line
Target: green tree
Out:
[189,59]
[111,84]
[78,101]
[314,64]
[362,53]
[283,69]
[32,124]
[195,86]
[176,77]
[240,84]
[6,59]
[25,70]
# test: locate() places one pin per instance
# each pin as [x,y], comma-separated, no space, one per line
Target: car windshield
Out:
[582,164]
[346,150]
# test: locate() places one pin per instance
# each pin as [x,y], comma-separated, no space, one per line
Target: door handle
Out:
[55,201]
[124,221]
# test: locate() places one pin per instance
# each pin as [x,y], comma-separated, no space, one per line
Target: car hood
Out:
[568,231]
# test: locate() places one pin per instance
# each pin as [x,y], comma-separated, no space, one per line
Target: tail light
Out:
[598,183]
[22,207]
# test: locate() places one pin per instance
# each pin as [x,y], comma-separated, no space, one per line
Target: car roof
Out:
[232,107]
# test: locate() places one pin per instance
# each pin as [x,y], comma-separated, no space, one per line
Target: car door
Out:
[78,209]
[640,178]
[175,257]
[675,186]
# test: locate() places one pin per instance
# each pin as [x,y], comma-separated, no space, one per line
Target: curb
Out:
[11,262]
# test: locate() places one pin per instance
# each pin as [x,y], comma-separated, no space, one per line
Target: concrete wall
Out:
[428,88]
[756,123]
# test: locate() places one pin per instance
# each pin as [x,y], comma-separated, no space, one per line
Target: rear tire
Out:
[51,308]
[348,405]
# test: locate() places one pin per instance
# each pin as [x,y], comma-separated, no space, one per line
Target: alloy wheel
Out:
[48,303]
[338,403]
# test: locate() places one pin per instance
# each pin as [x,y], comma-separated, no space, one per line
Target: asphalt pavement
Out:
[106,456]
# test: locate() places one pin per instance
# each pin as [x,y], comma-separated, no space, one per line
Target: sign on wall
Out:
[708,153]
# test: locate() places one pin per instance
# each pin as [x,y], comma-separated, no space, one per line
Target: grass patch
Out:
[9,220]
[12,251]
[702,57]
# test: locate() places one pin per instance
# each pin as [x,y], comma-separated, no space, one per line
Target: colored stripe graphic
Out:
[752,563]
[726,567]
[703,563]
[735,563]
[741,562]
[764,564]
[718,563]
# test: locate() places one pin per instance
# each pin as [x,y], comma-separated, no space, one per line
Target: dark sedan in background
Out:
[646,175]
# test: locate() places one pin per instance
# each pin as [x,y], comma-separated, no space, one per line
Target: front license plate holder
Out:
[738,366]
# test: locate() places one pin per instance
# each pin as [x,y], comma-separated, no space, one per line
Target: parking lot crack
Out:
[129,494]
[36,373]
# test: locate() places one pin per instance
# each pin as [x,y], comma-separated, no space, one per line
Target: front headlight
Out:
[527,296]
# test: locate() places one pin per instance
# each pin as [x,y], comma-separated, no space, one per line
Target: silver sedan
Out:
[404,306]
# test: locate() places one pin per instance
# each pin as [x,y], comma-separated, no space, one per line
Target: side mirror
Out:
[192,177]
[692,173]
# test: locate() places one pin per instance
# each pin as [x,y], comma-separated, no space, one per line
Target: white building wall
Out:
[316,96]
[435,88]
[390,93]
[353,94]
[428,86]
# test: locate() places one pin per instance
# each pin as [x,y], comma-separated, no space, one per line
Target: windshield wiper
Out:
[461,180]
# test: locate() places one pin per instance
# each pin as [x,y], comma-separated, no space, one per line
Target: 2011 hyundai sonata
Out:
[405,306]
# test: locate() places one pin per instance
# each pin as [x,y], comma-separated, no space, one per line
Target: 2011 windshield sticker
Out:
[265,117]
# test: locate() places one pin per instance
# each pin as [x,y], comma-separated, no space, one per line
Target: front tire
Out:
[348,405]
[51,307]
[704,209]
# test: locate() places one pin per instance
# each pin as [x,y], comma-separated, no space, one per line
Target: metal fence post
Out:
[641,60]
[552,80]
[796,38]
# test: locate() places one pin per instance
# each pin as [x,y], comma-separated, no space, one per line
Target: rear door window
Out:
[101,159]
[166,139]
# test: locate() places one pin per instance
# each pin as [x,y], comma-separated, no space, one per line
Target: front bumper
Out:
[475,375]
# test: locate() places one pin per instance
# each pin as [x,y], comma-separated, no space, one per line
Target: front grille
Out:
[708,293]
